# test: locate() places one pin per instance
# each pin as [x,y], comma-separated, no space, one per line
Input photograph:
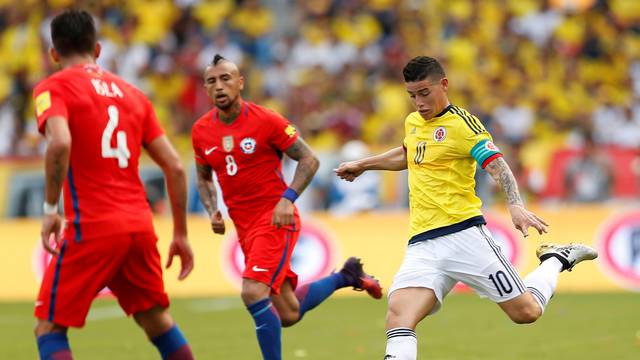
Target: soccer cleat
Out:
[569,255]
[361,281]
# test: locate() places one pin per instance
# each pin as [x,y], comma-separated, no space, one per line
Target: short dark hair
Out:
[422,67]
[216,59]
[73,32]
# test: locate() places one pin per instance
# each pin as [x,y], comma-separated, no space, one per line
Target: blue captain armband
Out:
[484,152]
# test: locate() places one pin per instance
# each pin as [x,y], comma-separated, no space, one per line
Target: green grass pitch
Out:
[575,326]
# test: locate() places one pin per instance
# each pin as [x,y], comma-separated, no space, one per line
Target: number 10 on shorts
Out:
[501,282]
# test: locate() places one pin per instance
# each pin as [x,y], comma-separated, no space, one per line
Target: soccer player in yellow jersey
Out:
[448,238]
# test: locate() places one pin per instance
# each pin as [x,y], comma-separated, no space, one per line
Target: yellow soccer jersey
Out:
[441,160]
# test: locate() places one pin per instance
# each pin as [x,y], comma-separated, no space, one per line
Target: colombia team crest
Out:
[227,143]
[248,145]
[440,134]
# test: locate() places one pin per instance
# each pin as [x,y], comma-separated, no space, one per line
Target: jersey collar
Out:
[243,115]
[444,111]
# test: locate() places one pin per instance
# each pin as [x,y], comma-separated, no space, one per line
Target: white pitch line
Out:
[214,305]
[105,313]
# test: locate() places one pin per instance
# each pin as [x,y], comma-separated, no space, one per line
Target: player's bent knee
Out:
[526,314]
[253,291]
[396,319]
[289,319]
[155,321]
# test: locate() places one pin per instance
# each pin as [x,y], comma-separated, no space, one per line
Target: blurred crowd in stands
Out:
[556,82]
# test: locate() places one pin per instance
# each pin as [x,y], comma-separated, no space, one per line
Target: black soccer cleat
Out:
[361,281]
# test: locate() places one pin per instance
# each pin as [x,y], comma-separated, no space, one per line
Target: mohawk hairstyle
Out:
[216,59]
[422,67]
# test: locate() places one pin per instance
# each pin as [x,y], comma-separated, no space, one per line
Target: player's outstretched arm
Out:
[521,217]
[308,163]
[209,197]
[163,153]
[394,160]
[56,164]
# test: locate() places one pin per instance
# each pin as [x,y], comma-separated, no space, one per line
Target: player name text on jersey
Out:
[108,90]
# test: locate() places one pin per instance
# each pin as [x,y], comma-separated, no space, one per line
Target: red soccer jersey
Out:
[109,121]
[247,158]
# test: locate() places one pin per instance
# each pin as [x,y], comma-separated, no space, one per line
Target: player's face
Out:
[429,96]
[223,84]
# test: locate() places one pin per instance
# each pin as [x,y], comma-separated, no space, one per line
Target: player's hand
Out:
[51,228]
[523,219]
[349,170]
[217,222]
[283,213]
[180,246]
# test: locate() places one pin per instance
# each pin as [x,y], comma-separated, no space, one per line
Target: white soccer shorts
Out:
[470,256]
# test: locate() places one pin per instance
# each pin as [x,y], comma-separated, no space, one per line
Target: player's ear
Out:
[97,50]
[54,54]
[444,82]
[241,82]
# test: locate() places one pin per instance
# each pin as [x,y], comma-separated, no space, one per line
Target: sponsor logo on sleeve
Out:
[43,102]
[290,130]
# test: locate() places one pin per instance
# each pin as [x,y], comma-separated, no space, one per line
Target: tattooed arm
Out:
[56,164]
[209,197]
[521,217]
[308,163]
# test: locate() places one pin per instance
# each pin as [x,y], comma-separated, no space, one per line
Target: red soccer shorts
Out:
[267,252]
[129,264]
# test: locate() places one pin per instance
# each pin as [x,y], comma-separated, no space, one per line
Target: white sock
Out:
[402,344]
[542,281]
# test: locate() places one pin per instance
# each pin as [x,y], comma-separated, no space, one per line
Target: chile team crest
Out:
[313,257]
[619,245]
[248,145]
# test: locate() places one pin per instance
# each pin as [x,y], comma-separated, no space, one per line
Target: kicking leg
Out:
[541,282]
[287,305]
[293,305]
[407,307]
[160,328]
